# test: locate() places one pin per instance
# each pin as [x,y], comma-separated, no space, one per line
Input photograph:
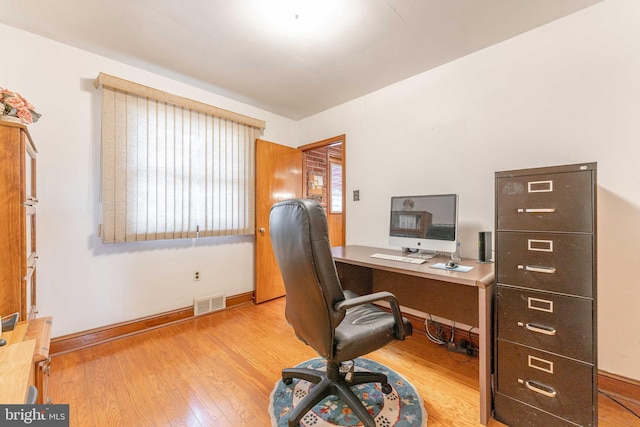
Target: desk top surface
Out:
[16,362]
[481,275]
[38,329]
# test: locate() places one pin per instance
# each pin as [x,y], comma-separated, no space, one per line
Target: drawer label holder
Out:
[540,186]
[540,364]
[540,304]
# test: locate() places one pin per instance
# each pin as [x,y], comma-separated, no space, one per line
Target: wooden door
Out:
[278,177]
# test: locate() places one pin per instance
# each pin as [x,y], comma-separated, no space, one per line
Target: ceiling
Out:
[294,58]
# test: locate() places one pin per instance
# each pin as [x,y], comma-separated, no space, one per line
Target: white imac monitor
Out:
[426,223]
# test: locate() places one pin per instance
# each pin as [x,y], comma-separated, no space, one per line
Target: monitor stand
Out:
[418,253]
[410,251]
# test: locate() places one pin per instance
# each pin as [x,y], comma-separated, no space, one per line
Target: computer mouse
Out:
[451,264]
[2,342]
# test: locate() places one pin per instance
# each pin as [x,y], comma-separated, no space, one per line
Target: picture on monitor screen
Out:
[427,222]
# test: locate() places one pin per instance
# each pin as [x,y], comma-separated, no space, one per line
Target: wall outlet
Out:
[356,195]
[196,275]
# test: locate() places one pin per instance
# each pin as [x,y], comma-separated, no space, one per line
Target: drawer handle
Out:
[541,210]
[540,329]
[538,269]
[539,388]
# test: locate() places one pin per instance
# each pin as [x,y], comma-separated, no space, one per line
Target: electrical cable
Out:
[453,331]
[433,338]
[436,339]
[474,345]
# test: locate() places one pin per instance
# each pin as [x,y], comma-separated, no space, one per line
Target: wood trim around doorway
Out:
[329,141]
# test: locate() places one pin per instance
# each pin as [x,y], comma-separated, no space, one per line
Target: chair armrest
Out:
[378,296]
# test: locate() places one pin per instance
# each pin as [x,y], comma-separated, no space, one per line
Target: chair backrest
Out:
[300,240]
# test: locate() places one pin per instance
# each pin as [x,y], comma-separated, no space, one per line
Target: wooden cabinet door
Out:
[11,219]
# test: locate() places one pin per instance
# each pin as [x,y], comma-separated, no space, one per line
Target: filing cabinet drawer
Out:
[552,383]
[515,413]
[545,202]
[556,323]
[548,261]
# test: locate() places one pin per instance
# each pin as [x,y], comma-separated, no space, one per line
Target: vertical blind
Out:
[173,168]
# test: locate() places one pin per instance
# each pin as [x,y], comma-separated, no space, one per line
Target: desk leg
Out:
[485,302]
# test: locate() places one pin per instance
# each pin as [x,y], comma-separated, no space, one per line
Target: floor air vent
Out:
[208,304]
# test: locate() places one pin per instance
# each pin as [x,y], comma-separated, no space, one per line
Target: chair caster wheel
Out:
[287,381]
[386,388]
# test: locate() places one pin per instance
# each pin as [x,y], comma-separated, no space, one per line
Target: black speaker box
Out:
[484,246]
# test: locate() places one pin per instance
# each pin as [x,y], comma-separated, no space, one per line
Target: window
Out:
[172,167]
[335,178]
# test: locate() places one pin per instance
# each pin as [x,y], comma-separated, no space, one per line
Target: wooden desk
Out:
[37,331]
[462,297]
[16,369]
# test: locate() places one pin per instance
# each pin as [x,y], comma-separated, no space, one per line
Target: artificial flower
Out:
[14,105]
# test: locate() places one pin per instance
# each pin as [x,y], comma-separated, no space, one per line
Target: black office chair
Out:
[32,395]
[338,324]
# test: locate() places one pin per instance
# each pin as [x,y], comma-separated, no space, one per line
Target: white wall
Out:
[568,92]
[83,283]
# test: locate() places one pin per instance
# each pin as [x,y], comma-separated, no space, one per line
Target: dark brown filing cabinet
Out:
[545,312]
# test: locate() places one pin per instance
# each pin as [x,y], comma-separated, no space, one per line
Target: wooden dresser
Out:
[18,201]
[546,347]
[29,341]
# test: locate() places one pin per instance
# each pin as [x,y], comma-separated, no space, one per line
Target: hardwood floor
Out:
[219,370]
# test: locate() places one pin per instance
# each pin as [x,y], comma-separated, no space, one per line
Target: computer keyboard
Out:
[399,258]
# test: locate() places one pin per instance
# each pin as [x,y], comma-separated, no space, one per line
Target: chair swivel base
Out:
[332,382]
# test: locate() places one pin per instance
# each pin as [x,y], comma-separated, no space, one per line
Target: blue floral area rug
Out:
[403,407]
